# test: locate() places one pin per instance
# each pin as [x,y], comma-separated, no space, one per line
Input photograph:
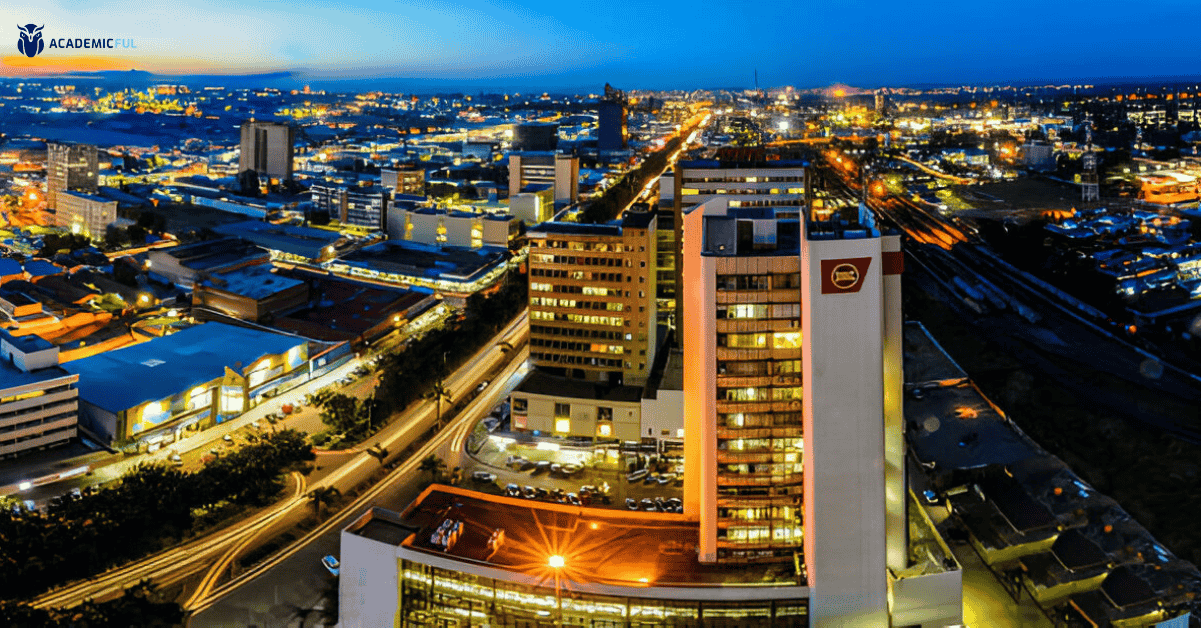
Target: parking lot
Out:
[549,470]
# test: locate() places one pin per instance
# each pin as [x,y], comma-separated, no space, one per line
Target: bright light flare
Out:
[556,561]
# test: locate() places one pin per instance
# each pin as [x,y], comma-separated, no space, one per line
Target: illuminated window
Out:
[232,399]
[155,412]
[563,425]
[604,429]
[199,397]
[786,340]
[743,341]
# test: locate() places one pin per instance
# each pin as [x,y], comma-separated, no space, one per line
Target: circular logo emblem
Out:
[844,276]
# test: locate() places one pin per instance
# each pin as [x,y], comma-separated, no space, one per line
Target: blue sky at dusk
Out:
[672,43]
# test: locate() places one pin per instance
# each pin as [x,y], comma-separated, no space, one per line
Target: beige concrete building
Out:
[39,401]
[561,172]
[592,299]
[70,167]
[85,213]
[267,149]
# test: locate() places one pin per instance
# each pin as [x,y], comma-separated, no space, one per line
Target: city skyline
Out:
[561,46]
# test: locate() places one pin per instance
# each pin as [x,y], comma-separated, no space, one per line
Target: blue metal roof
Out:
[163,367]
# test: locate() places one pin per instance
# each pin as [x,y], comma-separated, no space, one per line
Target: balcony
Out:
[756,479]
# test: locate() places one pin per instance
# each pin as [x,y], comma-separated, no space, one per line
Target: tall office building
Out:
[592,299]
[267,149]
[70,167]
[792,388]
[353,206]
[794,496]
[611,132]
[536,136]
[562,172]
[748,183]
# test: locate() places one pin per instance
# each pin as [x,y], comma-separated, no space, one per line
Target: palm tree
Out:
[378,452]
[323,496]
[433,465]
[438,393]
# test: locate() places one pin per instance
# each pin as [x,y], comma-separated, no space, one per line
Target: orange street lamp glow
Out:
[556,562]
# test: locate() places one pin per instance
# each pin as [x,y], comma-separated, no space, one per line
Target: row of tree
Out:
[622,193]
[139,606]
[421,369]
[152,507]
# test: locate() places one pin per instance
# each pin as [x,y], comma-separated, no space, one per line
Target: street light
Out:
[556,562]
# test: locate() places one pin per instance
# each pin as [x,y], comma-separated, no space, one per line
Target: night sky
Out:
[667,44]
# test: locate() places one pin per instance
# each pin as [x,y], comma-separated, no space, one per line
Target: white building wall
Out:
[665,413]
[458,229]
[369,583]
[425,227]
[844,440]
[700,377]
[567,178]
[496,232]
[896,523]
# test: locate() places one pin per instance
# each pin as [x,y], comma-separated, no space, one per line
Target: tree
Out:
[438,393]
[323,496]
[434,466]
[378,452]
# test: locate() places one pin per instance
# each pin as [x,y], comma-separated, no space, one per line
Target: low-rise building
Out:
[455,228]
[185,265]
[301,245]
[88,214]
[168,388]
[252,293]
[404,180]
[451,271]
[39,401]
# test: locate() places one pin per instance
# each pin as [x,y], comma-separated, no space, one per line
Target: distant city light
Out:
[784,126]
[25,486]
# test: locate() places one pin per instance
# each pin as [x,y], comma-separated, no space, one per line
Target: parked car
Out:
[513,490]
[227,438]
[177,460]
[572,467]
[637,475]
[542,465]
[483,476]
[631,504]
[331,564]
[528,492]
[556,468]
[541,493]
[648,504]
[666,479]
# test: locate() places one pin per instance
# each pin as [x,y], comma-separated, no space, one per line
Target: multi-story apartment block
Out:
[592,298]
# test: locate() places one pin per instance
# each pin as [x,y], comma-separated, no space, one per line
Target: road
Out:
[283,591]
[193,448]
[342,470]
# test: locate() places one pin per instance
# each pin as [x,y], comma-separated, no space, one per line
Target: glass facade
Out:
[432,597]
[760,444]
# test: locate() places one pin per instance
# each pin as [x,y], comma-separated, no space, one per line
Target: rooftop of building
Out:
[96,198]
[598,546]
[725,164]
[26,344]
[343,310]
[13,377]
[427,260]
[304,242]
[539,383]
[162,367]
[214,254]
[257,281]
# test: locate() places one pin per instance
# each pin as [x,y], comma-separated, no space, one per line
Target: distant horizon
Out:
[298,79]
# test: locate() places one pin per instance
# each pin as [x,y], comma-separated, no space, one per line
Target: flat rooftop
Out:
[162,367]
[599,546]
[539,383]
[252,282]
[415,259]
[301,241]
